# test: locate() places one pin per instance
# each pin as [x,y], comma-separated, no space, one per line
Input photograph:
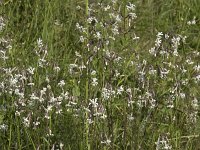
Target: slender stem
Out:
[86,7]
[87,83]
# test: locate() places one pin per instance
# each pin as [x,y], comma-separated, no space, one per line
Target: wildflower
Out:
[130,118]
[61,146]
[91,20]
[17,113]
[152,51]
[50,133]
[61,83]
[129,90]
[93,72]
[82,39]
[166,36]
[13,81]
[90,121]
[175,44]
[17,92]
[152,71]
[56,68]
[107,93]
[197,67]
[40,43]
[36,123]
[72,67]
[42,92]
[163,143]
[189,61]
[3,127]
[3,55]
[98,35]
[2,24]
[31,70]
[94,82]
[158,39]
[120,90]
[130,7]
[182,95]
[193,22]
[107,142]
[107,8]
[78,54]
[31,84]
[132,15]
[34,97]
[115,30]
[41,62]
[104,116]
[197,78]
[78,7]
[93,102]
[26,121]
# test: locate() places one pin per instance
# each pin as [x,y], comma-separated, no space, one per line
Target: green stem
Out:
[87,83]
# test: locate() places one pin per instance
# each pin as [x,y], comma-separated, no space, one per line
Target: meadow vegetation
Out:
[99,75]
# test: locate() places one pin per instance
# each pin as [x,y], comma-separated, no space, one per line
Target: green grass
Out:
[109,91]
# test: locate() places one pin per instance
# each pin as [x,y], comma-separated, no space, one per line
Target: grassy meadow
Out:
[99,74]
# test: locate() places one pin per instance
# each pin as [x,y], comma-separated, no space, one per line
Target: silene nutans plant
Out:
[99,75]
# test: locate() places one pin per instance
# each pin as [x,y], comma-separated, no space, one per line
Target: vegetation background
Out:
[104,74]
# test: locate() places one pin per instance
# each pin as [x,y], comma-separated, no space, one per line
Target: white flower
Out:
[36,123]
[158,39]
[94,82]
[197,78]
[93,72]
[40,43]
[61,83]
[13,81]
[94,103]
[182,95]
[2,24]
[78,7]
[3,55]
[90,121]
[107,8]
[152,72]
[195,104]
[82,39]
[72,67]
[56,68]
[61,145]
[132,15]
[107,93]
[26,121]
[31,84]
[175,44]
[31,70]
[34,97]
[107,142]
[78,54]
[98,35]
[130,7]
[197,67]
[91,19]
[3,127]
[152,51]
[115,30]
[120,90]
[192,22]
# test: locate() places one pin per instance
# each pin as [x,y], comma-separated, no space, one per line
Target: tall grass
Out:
[99,74]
